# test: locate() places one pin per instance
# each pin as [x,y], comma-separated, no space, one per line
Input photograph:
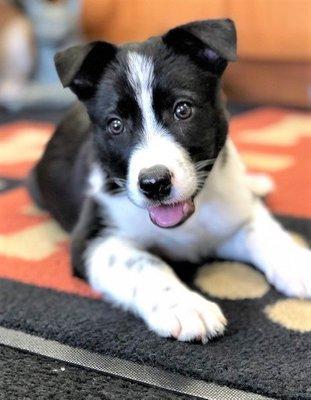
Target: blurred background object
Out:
[31,31]
[274,40]
[274,44]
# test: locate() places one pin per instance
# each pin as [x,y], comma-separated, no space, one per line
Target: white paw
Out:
[260,184]
[293,274]
[186,316]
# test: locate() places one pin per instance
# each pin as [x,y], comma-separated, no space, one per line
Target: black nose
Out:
[155,182]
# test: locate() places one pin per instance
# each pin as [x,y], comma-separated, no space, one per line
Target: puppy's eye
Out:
[183,110]
[115,126]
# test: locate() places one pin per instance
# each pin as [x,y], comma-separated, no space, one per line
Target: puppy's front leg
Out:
[265,244]
[144,284]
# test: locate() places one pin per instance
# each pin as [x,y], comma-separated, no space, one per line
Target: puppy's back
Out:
[56,183]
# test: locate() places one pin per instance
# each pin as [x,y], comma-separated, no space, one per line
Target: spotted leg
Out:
[144,284]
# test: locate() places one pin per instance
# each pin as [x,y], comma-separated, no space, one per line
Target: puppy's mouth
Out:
[171,215]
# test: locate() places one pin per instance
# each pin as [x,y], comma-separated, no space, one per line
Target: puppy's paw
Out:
[260,184]
[187,316]
[292,276]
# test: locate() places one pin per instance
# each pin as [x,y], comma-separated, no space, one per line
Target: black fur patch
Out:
[81,67]
[90,225]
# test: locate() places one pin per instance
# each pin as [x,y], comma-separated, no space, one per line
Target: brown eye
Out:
[115,126]
[182,110]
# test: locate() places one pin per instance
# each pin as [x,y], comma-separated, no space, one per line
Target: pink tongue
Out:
[167,216]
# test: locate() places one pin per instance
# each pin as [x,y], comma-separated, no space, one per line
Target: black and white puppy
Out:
[142,170]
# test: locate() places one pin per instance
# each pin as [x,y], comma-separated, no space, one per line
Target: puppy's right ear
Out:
[81,67]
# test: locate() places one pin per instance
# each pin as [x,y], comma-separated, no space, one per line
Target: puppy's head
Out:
[155,107]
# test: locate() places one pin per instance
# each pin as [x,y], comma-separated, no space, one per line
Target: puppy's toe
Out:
[189,317]
[293,276]
[163,322]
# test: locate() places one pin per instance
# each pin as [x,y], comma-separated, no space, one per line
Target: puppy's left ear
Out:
[211,43]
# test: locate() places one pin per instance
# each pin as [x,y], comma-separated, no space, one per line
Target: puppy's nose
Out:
[155,182]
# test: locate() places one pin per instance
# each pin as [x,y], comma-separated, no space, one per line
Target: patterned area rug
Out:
[267,347]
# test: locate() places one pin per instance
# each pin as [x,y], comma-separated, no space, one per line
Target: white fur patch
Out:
[107,270]
[260,184]
[140,76]
[157,146]
[162,150]
[96,180]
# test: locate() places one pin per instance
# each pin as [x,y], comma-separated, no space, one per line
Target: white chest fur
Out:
[222,206]
[134,223]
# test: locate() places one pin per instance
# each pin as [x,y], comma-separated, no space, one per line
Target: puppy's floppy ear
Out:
[81,67]
[211,43]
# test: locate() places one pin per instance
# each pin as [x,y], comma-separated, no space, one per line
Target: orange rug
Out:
[34,250]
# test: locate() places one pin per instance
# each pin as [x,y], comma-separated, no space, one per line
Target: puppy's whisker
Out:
[117,191]
[201,176]
[204,163]
[200,184]
[118,181]
[202,173]
[201,181]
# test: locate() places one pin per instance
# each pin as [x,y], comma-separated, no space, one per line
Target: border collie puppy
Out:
[142,171]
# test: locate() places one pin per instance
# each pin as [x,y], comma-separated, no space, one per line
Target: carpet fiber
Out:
[267,346]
